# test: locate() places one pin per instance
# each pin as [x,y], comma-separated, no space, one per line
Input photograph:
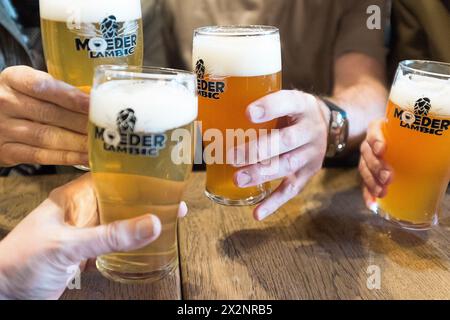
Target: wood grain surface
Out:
[319,246]
[322,245]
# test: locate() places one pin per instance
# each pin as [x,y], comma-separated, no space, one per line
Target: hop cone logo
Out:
[126,121]
[200,69]
[109,27]
[422,107]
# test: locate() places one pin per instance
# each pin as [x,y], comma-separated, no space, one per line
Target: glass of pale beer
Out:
[235,66]
[141,126]
[78,35]
[417,132]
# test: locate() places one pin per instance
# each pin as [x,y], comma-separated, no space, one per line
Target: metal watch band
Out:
[338,129]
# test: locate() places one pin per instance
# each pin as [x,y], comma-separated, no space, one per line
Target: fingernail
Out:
[243,179]
[148,227]
[384,176]
[262,214]
[256,112]
[183,209]
[378,148]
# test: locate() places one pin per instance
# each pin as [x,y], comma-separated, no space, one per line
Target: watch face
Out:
[338,133]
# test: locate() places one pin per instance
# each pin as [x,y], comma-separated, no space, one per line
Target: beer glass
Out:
[78,35]
[418,144]
[141,124]
[235,66]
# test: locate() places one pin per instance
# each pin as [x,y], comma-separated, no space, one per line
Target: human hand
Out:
[375,172]
[38,256]
[302,139]
[42,120]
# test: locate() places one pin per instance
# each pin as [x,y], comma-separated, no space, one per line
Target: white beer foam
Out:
[89,11]
[239,56]
[158,106]
[408,89]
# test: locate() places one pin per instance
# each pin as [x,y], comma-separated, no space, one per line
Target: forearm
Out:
[363,102]
[360,89]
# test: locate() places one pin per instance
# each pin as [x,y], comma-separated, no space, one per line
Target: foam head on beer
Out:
[157,106]
[89,11]
[408,89]
[238,52]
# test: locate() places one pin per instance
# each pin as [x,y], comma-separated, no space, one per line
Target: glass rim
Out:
[405,66]
[146,72]
[246,31]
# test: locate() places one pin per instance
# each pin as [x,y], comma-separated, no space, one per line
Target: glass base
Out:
[408,225]
[135,277]
[250,201]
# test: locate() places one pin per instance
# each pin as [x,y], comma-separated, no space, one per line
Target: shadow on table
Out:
[340,229]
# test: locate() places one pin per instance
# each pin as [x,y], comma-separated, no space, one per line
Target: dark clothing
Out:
[420,30]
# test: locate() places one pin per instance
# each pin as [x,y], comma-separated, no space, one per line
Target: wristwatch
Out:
[338,130]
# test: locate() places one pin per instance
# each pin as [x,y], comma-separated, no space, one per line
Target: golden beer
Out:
[235,66]
[79,35]
[417,131]
[133,127]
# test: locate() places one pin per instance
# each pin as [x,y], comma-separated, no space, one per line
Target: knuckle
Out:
[292,189]
[4,129]
[37,156]
[364,147]
[66,157]
[39,84]
[361,165]
[45,113]
[289,138]
[294,163]
[43,136]
[111,240]
[6,156]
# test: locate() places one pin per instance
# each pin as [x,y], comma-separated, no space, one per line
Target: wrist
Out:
[326,115]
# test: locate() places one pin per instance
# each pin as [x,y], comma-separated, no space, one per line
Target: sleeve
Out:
[154,48]
[355,29]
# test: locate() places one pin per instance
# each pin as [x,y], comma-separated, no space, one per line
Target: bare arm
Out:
[360,88]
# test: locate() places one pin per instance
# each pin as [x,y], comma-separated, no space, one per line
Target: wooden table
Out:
[322,245]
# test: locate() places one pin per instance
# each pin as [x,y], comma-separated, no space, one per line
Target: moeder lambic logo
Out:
[419,120]
[109,27]
[205,88]
[126,121]
[109,38]
[124,139]
[200,69]
[422,106]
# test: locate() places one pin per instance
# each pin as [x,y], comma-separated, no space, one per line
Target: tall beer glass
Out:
[141,124]
[79,35]
[418,144]
[235,66]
